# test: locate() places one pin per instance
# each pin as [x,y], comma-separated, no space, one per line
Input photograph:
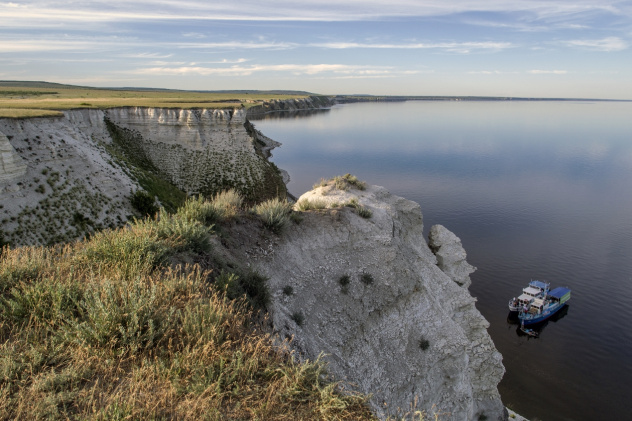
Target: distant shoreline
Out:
[344,99]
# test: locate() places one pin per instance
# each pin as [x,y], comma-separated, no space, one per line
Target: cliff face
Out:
[201,151]
[299,104]
[369,294]
[66,186]
[62,178]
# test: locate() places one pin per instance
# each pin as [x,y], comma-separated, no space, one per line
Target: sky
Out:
[519,48]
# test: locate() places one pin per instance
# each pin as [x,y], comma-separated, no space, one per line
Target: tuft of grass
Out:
[305,204]
[250,285]
[274,213]
[228,203]
[362,211]
[348,181]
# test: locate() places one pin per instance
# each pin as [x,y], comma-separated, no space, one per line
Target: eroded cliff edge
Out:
[391,316]
[65,177]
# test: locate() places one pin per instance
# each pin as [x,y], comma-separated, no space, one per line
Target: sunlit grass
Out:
[114,328]
[22,102]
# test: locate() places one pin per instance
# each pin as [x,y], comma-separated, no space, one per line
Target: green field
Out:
[37,99]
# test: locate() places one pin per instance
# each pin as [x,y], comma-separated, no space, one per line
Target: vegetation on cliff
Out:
[116,327]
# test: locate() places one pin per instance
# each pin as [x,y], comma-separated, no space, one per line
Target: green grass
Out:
[115,328]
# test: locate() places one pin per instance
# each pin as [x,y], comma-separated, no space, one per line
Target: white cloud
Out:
[457,47]
[39,11]
[296,69]
[608,44]
[147,55]
[547,72]
[233,45]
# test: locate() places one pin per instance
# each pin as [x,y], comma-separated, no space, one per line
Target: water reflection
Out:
[277,115]
[534,190]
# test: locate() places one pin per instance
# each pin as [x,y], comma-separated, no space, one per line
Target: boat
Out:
[535,289]
[529,331]
[540,309]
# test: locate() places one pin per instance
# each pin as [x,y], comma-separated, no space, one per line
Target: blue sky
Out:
[539,48]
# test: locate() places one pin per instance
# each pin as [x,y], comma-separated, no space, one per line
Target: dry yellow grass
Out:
[103,329]
[16,101]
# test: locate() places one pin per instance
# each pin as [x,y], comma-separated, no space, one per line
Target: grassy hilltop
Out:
[39,99]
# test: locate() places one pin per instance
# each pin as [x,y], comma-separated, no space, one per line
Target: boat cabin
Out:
[534,292]
[537,305]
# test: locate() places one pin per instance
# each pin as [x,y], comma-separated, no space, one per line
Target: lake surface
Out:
[535,190]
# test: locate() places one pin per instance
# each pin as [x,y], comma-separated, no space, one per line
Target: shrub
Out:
[274,213]
[228,202]
[144,203]
[321,183]
[298,318]
[366,278]
[344,283]
[288,290]
[186,234]
[424,344]
[252,285]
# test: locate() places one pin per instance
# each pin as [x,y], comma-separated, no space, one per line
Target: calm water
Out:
[535,190]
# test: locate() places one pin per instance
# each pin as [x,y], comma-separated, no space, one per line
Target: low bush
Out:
[424,344]
[288,290]
[366,278]
[144,203]
[347,181]
[298,318]
[228,203]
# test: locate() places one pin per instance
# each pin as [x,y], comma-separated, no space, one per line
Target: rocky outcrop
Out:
[450,255]
[369,294]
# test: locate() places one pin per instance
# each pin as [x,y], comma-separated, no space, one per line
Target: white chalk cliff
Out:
[59,180]
[407,333]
